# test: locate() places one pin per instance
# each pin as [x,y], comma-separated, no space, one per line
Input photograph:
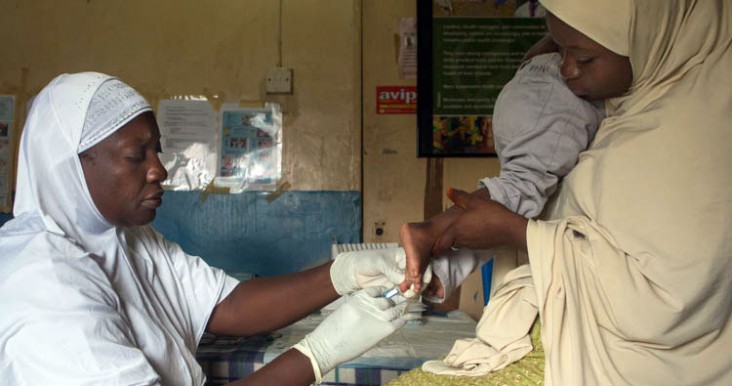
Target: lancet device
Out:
[391,293]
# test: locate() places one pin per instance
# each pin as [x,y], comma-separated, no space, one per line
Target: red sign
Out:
[396,100]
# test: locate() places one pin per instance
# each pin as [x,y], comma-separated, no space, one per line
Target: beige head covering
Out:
[634,276]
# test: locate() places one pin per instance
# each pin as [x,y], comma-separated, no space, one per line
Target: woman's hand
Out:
[483,224]
[418,240]
[352,271]
[356,326]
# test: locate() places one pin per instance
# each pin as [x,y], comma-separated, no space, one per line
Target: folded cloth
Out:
[502,332]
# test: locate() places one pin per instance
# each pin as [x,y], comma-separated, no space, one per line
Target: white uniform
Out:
[83,302]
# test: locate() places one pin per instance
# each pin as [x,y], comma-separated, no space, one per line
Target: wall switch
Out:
[279,80]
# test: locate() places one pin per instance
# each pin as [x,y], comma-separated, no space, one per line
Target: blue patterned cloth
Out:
[226,359]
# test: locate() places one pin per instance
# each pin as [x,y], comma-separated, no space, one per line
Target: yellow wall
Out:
[340,51]
[394,178]
[220,49]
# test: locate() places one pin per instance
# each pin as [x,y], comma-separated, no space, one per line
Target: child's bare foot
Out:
[417,240]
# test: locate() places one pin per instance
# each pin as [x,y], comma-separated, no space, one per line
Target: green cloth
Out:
[527,371]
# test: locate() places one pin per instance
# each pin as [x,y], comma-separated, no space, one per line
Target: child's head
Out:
[535,99]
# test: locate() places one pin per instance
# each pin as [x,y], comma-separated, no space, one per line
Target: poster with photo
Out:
[467,51]
[251,148]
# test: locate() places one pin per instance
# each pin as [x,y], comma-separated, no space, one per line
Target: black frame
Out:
[424,77]
[479,123]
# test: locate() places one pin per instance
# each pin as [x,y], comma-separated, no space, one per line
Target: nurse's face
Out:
[590,70]
[124,174]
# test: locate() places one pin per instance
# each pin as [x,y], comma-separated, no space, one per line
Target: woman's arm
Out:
[268,303]
[334,342]
[292,368]
[482,224]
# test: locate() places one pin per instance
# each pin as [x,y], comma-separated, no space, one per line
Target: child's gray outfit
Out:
[540,127]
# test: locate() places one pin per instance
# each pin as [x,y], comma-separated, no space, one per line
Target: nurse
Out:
[91,294]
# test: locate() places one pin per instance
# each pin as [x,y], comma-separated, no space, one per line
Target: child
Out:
[540,127]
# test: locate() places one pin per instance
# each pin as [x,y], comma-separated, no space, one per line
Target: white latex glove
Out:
[356,326]
[352,271]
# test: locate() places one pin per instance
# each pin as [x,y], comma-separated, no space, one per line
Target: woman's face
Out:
[124,174]
[590,70]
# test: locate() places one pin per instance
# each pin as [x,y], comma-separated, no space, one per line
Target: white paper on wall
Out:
[407,47]
[189,140]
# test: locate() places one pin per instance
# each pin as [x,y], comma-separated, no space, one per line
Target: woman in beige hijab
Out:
[633,268]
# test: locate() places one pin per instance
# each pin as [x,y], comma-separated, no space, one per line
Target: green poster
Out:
[474,57]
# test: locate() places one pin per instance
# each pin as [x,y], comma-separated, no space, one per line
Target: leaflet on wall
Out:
[188,129]
[251,148]
[407,47]
[7,108]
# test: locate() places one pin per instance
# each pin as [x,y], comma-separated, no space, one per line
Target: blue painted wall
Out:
[246,233]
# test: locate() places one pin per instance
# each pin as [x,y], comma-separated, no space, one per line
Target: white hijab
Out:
[83,301]
[635,274]
[62,123]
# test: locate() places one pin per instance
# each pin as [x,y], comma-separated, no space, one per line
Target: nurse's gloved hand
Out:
[352,271]
[356,326]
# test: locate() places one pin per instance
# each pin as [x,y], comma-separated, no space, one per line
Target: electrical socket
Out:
[279,80]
